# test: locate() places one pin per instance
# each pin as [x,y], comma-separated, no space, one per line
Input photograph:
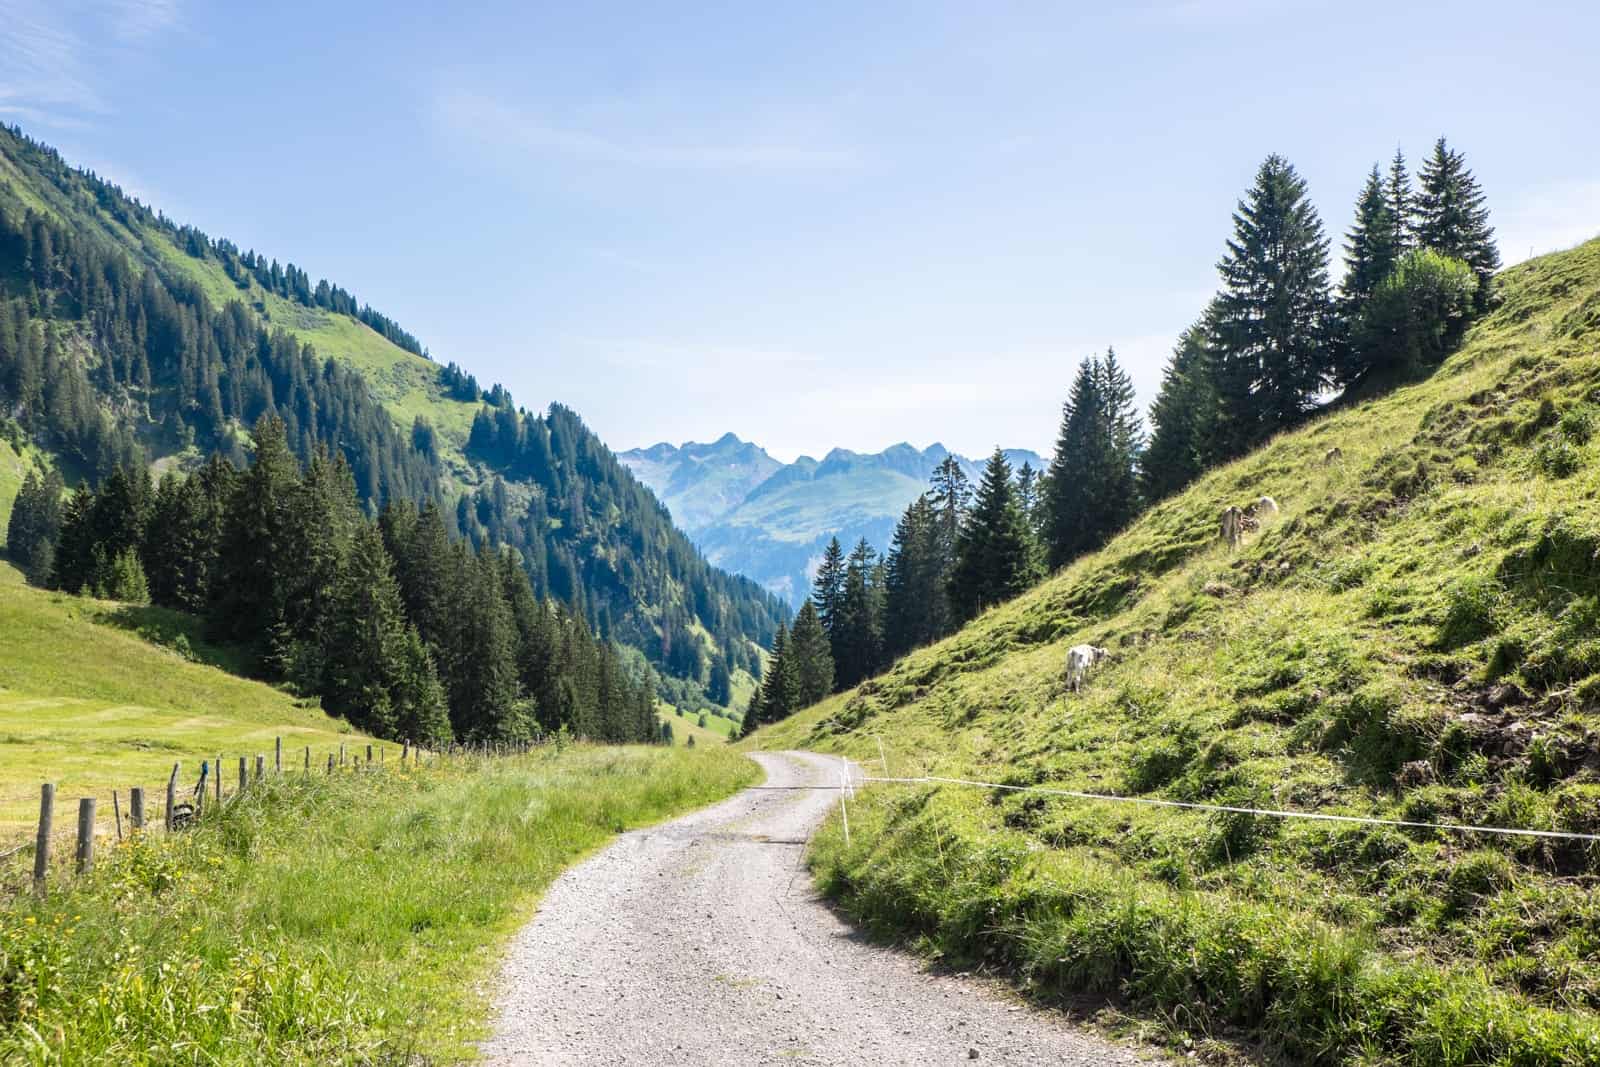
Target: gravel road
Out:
[701,941]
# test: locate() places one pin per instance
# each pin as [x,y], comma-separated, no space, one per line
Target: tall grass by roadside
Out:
[346,918]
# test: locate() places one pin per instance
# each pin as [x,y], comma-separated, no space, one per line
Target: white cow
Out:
[1079,659]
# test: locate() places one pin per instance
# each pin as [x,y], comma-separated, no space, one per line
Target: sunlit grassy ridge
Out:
[345,918]
[1417,636]
[93,697]
[406,384]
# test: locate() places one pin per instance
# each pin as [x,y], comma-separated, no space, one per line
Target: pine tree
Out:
[828,592]
[35,525]
[916,604]
[1273,314]
[1183,419]
[1400,201]
[1452,218]
[251,594]
[1371,247]
[994,558]
[1093,482]
[780,685]
[812,655]
[858,632]
[952,494]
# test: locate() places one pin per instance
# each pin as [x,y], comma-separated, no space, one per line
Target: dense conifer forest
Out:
[114,357]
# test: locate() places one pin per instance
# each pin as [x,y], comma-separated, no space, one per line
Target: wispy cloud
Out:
[492,120]
[50,53]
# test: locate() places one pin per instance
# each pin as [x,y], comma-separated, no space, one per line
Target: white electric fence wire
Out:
[1272,813]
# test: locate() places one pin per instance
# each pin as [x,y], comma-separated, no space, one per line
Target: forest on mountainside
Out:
[115,355]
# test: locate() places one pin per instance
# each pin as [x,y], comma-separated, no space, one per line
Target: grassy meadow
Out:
[345,918]
[96,696]
[1416,636]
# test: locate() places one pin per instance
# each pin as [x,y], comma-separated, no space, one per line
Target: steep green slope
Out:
[90,701]
[125,337]
[1416,637]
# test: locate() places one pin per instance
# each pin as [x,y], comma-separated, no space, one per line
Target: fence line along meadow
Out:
[184,806]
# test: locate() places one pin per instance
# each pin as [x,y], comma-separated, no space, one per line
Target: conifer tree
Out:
[35,524]
[1371,248]
[1273,314]
[858,632]
[828,586]
[1183,420]
[916,604]
[952,494]
[1452,218]
[250,597]
[813,656]
[1401,202]
[1093,483]
[994,557]
[780,685]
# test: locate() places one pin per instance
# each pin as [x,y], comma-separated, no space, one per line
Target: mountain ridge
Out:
[772,529]
[233,336]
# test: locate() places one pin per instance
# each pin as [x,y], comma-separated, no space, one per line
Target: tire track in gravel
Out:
[701,941]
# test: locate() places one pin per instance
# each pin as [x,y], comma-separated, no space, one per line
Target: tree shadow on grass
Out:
[177,632]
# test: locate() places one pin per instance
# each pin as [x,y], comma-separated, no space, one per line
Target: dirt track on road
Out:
[701,941]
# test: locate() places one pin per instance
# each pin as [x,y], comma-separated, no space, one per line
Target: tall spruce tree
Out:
[858,631]
[812,654]
[1371,248]
[35,524]
[1183,419]
[1273,313]
[250,597]
[828,588]
[995,556]
[916,605]
[1452,218]
[1401,202]
[1093,482]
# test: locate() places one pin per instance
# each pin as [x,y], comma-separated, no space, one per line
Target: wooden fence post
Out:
[116,813]
[369,755]
[136,808]
[244,776]
[308,759]
[330,763]
[172,795]
[261,766]
[85,855]
[219,778]
[41,844]
[341,753]
[277,755]
[405,750]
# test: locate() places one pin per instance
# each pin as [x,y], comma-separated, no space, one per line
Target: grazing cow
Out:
[1333,455]
[1079,659]
[1264,508]
[1232,526]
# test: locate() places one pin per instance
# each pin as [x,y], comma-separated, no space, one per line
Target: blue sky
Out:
[812,224]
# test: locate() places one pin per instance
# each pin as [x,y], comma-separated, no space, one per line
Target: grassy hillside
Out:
[94,697]
[346,918]
[1417,636]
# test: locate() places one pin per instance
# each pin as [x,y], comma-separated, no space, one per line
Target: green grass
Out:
[405,383]
[346,918]
[13,469]
[1414,637]
[717,729]
[93,697]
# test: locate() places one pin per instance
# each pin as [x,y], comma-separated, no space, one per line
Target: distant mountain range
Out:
[768,520]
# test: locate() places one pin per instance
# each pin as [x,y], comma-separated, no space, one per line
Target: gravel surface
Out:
[701,941]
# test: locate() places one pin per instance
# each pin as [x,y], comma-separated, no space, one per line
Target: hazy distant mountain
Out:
[770,521]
